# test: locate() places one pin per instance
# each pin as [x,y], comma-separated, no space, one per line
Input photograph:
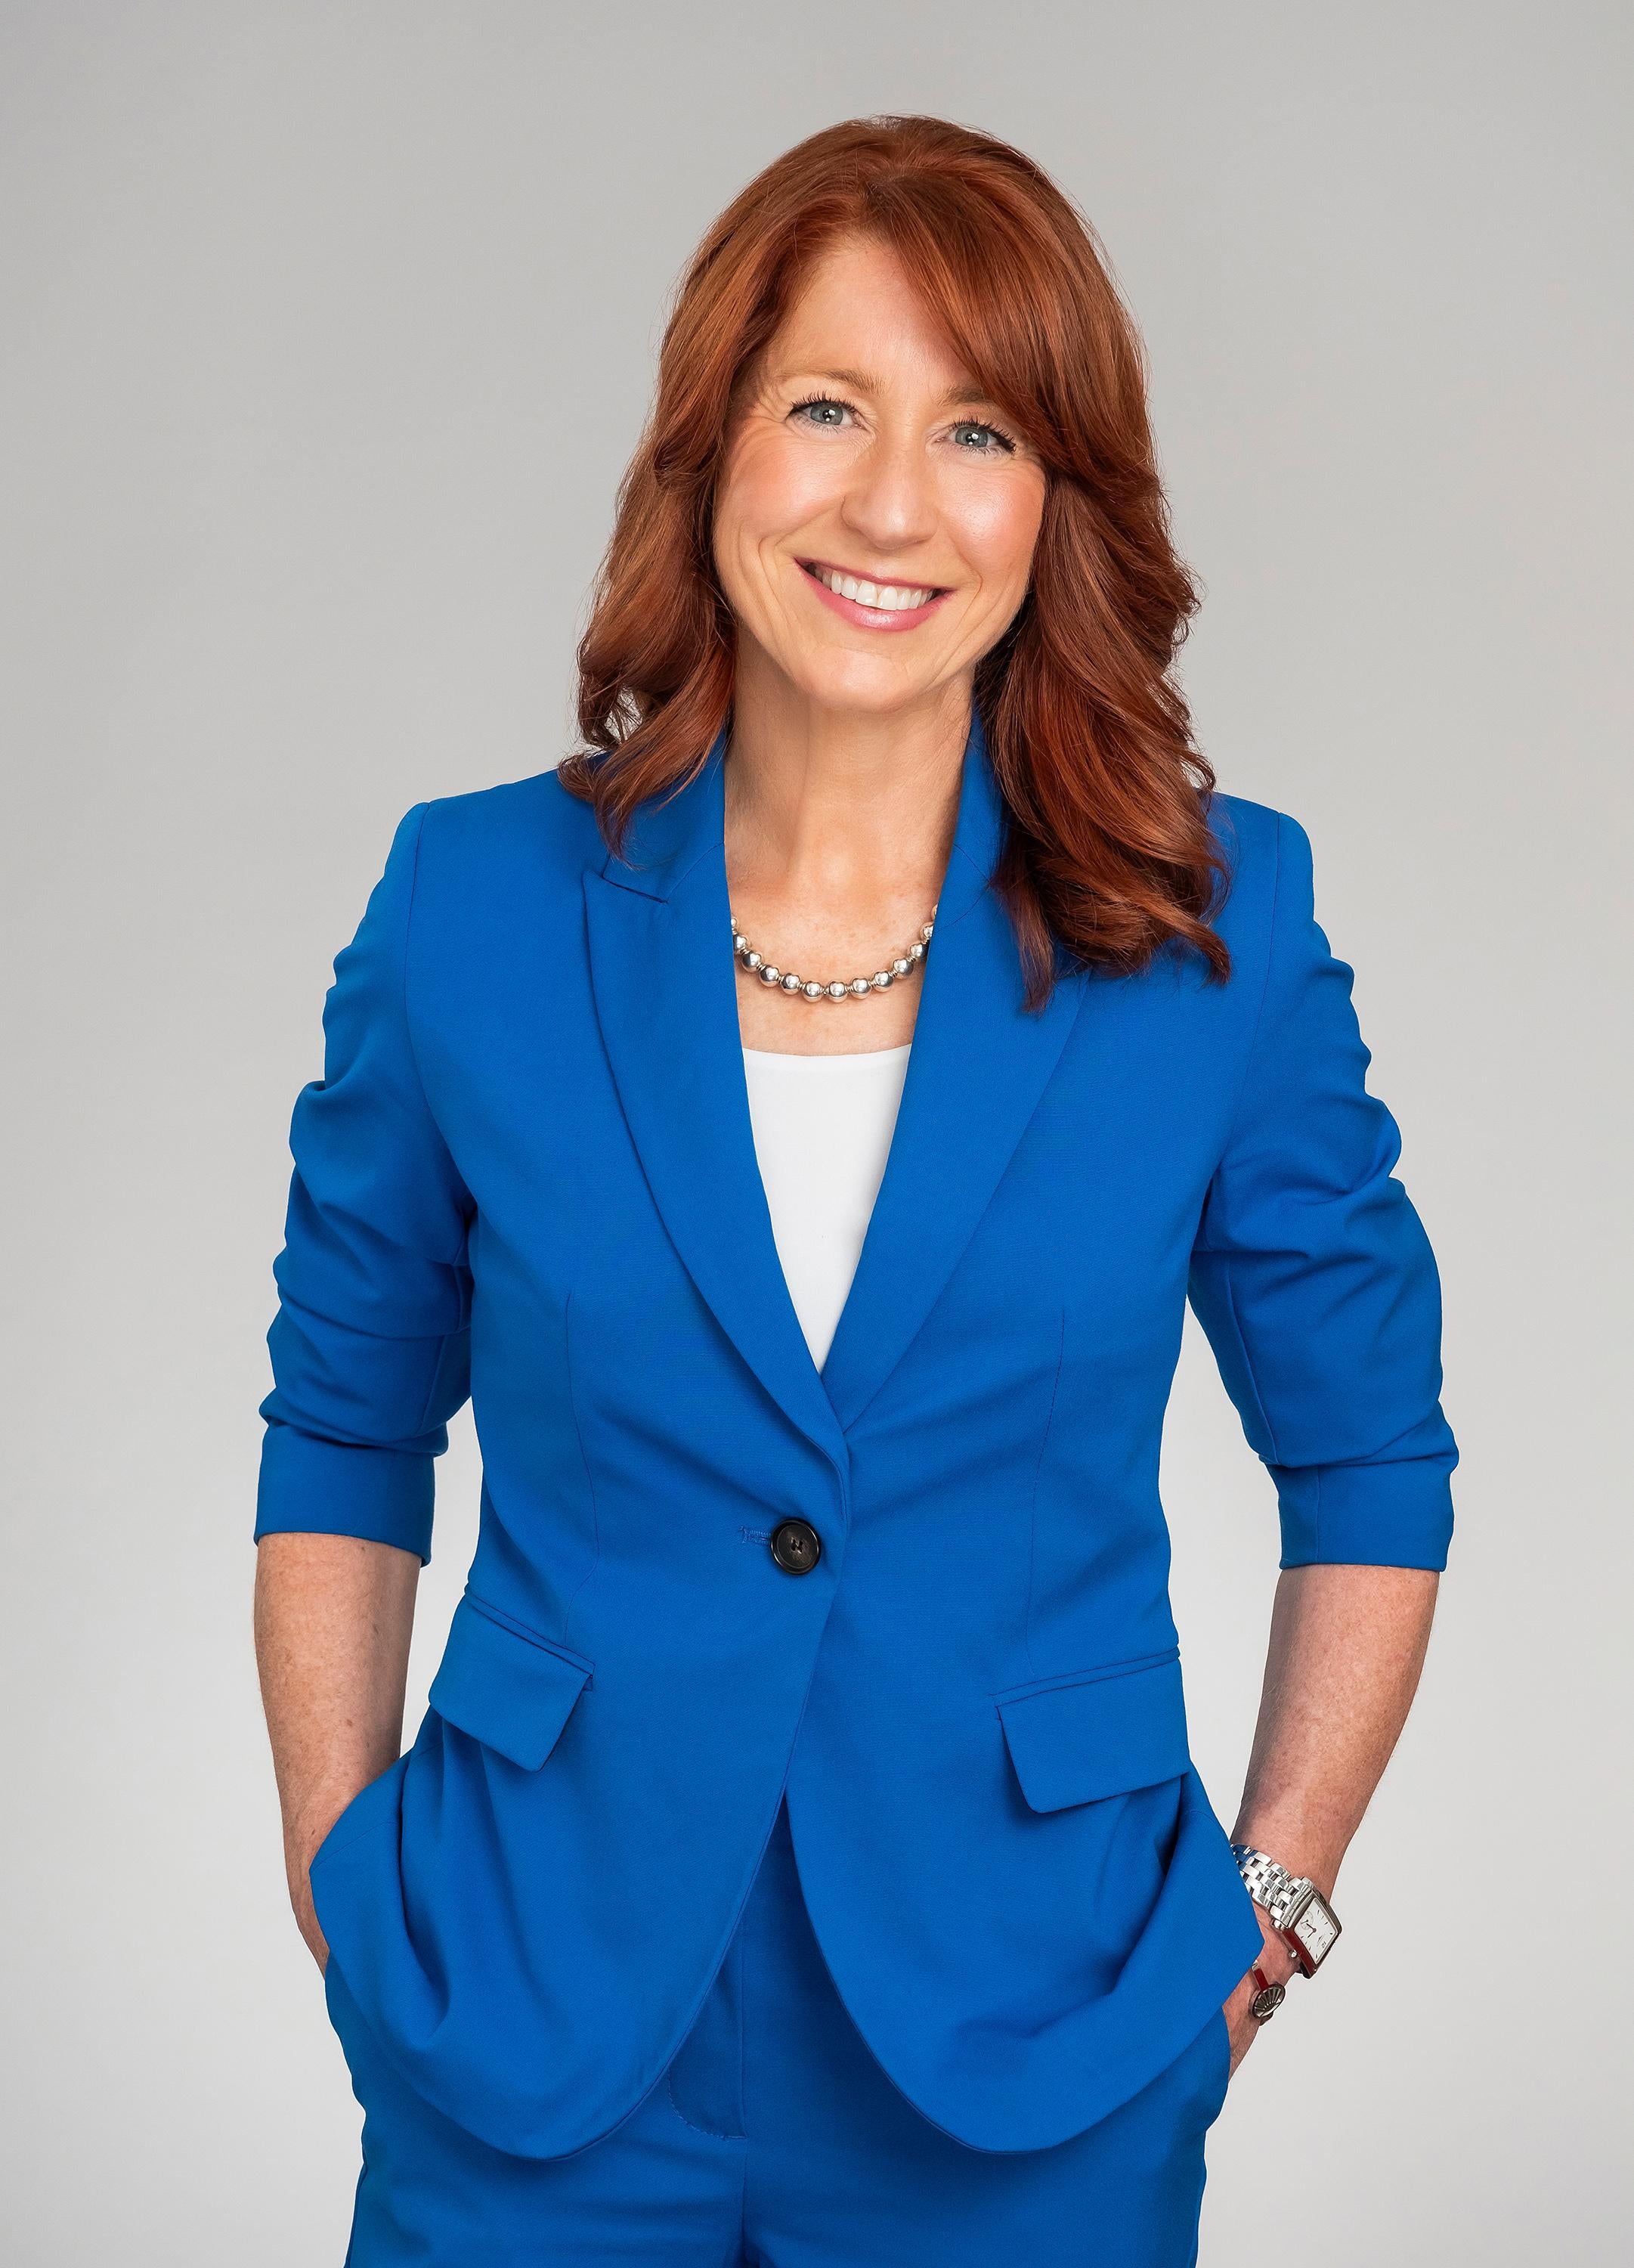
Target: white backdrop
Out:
[325,334]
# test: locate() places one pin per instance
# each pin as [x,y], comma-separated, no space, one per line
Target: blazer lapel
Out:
[977,1068]
[665,991]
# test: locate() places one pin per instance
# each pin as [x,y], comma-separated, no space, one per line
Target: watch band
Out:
[1301,1917]
[1268,1884]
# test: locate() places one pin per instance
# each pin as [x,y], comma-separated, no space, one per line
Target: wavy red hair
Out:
[1108,856]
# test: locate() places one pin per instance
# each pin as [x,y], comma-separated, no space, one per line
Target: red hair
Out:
[1108,854]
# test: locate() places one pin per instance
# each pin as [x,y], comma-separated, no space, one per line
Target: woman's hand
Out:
[298,1857]
[1277,1965]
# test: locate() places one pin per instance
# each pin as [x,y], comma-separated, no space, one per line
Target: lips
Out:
[873,606]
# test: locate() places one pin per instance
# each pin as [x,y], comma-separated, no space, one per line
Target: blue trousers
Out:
[774,2141]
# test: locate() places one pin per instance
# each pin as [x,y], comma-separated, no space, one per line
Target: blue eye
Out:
[982,440]
[821,410]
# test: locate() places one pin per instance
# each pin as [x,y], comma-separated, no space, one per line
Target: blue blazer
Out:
[528,1176]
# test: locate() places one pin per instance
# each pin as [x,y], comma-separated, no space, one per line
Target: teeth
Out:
[889,598]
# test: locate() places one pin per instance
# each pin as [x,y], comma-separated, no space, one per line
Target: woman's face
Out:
[877,515]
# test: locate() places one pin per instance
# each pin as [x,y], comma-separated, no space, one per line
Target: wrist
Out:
[1276,1962]
[1295,1843]
[1292,1911]
[307,1829]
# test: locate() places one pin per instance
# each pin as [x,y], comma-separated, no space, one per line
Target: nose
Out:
[890,505]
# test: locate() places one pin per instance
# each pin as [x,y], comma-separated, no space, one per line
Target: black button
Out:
[796,1546]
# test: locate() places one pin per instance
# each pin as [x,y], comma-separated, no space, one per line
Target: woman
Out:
[801,1861]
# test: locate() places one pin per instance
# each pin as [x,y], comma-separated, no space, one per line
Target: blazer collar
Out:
[665,988]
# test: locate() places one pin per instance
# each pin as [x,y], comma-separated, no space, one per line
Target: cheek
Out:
[773,488]
[996,527]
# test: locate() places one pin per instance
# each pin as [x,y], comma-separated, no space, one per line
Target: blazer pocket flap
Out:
[509,1690]
[1076,1740]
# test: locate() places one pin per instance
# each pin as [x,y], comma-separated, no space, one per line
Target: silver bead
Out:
[856,988]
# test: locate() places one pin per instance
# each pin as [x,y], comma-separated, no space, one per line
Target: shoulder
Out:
[1268,863]
[533,820]
[527,835]
[1255,837]
[467,872]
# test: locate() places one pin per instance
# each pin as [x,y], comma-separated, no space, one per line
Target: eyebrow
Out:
[859,382]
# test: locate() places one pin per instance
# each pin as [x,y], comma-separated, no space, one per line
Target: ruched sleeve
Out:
[370,1342]
[1313,1276]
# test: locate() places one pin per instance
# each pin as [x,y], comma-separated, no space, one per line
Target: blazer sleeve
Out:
[1313,1276]
[370,1342]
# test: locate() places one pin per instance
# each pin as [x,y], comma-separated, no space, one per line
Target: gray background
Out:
[327,332]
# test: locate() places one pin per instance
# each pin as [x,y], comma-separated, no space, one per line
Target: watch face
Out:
[1316,1929]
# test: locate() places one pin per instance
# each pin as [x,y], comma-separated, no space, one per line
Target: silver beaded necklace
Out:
[754,964]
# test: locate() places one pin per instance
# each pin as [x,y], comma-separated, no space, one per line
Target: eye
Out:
[980,439]
[821,410]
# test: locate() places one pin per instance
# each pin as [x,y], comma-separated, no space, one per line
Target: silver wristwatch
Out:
[1300,1916]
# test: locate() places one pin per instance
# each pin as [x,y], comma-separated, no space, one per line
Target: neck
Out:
[846,810]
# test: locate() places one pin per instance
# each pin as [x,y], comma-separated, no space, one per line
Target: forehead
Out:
[856,311]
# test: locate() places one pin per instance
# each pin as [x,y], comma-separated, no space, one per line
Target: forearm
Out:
[334,1615]
[1347,1645]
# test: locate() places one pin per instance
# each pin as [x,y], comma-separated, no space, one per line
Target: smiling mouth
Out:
[884,598]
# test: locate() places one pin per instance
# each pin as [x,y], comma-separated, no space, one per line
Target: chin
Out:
[859,687]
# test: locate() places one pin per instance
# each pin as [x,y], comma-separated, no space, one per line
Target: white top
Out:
[822,1133]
